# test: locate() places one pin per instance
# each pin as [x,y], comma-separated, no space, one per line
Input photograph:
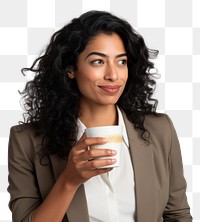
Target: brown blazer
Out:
[160,185]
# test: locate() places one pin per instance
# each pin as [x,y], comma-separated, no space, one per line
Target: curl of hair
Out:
[52,99]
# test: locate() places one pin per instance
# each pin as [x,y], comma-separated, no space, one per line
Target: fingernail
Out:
[104,140]
[114,152]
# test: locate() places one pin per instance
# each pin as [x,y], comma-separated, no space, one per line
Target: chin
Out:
[113,102]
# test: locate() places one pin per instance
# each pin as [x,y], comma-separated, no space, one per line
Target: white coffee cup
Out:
[114,137]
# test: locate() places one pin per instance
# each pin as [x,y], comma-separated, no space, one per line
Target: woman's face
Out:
[101,71]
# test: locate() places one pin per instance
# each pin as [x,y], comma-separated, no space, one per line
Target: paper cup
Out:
[114,136]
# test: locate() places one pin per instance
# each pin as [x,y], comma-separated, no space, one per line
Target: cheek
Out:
[86,78]
[84,81]
[125,77]
[89,76]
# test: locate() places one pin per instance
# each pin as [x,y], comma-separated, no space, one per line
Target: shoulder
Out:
[160,127]
[24,131]
[24,137]
[160,121]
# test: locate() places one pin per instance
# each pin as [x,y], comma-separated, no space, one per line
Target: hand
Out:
[82,163]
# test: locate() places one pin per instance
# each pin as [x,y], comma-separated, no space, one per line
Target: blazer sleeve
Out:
[23,188]
[177,208]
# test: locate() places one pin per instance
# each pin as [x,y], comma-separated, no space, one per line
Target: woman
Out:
[95,72]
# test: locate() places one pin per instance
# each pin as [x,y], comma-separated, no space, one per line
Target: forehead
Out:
[106,43]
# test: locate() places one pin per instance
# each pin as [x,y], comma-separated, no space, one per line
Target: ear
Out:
[71,73]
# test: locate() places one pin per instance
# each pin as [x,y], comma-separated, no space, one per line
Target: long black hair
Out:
[52,99]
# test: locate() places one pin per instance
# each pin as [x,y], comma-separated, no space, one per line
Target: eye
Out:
[122,62]
[97,61]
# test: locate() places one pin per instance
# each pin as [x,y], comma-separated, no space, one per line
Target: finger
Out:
[100,171]
[87,142]
[96,164]
[96,153]
[103,170]
[80,148]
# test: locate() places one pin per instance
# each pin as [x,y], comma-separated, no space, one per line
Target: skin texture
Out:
[101,74]
[102,71]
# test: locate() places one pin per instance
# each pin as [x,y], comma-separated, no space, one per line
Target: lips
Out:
[110,89]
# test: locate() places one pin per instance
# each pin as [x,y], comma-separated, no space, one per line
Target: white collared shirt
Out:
[111,196]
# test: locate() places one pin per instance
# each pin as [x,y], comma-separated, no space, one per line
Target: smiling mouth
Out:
[110,89]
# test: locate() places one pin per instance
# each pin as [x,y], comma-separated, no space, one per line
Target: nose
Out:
[111,73]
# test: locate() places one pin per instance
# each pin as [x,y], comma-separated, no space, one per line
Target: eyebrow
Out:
[104,55]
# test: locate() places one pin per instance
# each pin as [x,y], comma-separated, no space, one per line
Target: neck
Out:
[99,116]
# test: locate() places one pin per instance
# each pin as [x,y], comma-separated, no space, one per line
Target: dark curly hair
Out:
[52,99]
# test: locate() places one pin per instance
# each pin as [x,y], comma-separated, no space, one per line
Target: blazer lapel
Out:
[58,165]
[144,172]
[77,210]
